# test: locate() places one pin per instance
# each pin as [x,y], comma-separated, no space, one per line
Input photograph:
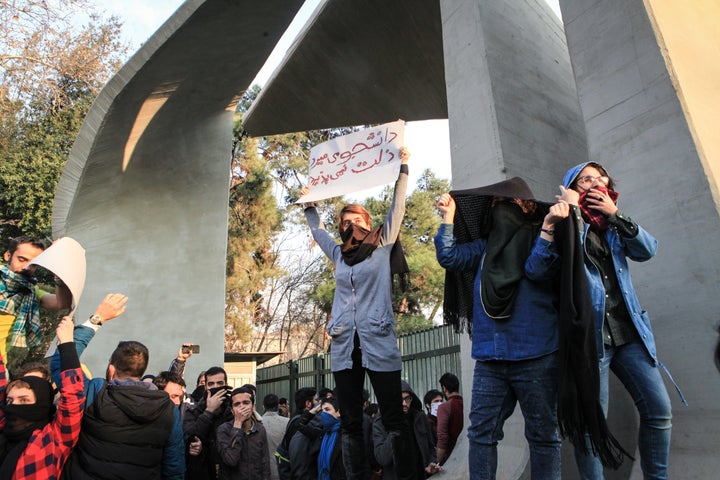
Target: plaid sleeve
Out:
[49,448]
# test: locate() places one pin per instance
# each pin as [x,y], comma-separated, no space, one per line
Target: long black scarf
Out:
[579,410]
[509,243]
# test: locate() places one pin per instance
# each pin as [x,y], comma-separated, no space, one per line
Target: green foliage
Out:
[34,152]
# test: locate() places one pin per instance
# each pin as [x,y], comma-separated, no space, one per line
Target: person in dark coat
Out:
[423,456]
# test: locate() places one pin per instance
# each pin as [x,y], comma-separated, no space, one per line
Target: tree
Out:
[50,71]
[39,44]
[34,156]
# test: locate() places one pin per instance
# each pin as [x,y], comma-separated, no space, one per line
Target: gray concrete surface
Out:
[357,63]
[636,128]
[156,230]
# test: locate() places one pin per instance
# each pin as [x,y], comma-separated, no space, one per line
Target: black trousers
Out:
[348,389]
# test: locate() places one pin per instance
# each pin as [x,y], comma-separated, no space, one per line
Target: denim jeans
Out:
[497,387]
[635,369]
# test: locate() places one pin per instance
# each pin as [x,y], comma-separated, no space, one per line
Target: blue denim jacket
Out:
[363,294]
[532,329]
[640,249]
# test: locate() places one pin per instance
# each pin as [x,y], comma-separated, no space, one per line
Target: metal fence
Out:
[426,355]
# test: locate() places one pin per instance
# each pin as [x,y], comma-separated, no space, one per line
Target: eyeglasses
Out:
[407,399]
[589,179]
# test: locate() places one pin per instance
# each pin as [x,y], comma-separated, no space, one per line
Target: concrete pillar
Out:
[513,110]
[647,102]
[512,104]
[145,190]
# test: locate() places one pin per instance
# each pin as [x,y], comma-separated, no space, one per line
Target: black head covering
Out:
[474,220]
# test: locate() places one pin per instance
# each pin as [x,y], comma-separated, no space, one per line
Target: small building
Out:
[241,367]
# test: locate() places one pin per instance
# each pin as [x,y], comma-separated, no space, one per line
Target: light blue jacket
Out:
[363,294]
[640,249]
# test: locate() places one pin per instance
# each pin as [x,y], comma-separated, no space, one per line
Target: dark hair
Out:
[450,382]
[212,371]
[22,240]
[163,378]
[430,395]
[324,392]
[28,367]
[270,402]
[372,409]
[244,389]
[303,395]
[130,359]
[282,401]
[251,387]
[332,401]
[201,375]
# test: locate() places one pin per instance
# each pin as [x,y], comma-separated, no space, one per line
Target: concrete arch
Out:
[524,94]
[145,190]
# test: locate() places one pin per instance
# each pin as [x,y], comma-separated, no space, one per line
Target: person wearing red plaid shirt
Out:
[35,441]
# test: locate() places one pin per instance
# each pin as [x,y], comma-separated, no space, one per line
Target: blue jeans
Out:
[635,369]
[497,387]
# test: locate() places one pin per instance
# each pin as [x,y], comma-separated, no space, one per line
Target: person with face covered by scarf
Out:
[623,334]
[496,244]
[362,324]
[35,441]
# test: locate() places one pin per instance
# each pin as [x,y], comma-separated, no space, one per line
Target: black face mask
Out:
[198,394]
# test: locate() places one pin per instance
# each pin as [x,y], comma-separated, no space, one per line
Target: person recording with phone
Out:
[200,425]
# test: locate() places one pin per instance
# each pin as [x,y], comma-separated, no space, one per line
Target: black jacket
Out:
[124,432]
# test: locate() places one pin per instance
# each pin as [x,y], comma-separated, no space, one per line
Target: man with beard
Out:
[130,429]
[200,425]
[423,451]
[20,299]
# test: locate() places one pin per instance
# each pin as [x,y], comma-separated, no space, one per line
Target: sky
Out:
[428,141]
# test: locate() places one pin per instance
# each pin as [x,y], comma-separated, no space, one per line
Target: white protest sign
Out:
[66,259]
[355,162]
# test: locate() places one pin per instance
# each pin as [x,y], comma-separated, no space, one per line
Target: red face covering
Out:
[595,218]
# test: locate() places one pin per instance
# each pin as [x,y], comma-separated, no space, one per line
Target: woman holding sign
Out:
[362,325]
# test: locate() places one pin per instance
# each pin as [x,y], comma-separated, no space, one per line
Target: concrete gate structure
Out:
[145,190]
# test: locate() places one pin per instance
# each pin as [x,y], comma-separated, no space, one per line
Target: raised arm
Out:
[394,217]
[449,254]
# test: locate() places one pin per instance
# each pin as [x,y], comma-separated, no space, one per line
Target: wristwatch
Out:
[96,320]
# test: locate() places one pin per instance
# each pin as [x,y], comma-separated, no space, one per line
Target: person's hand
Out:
[446,205]
[601,202]
[184,352]
[404,155]
[568,195]
[65,330]
[195,447]
[433,468]
[214,402]
[241,413]
[316,409]
[556,213]
[305,191]
[112,306]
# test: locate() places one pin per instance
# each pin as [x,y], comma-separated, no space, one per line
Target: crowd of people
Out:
[543,288]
